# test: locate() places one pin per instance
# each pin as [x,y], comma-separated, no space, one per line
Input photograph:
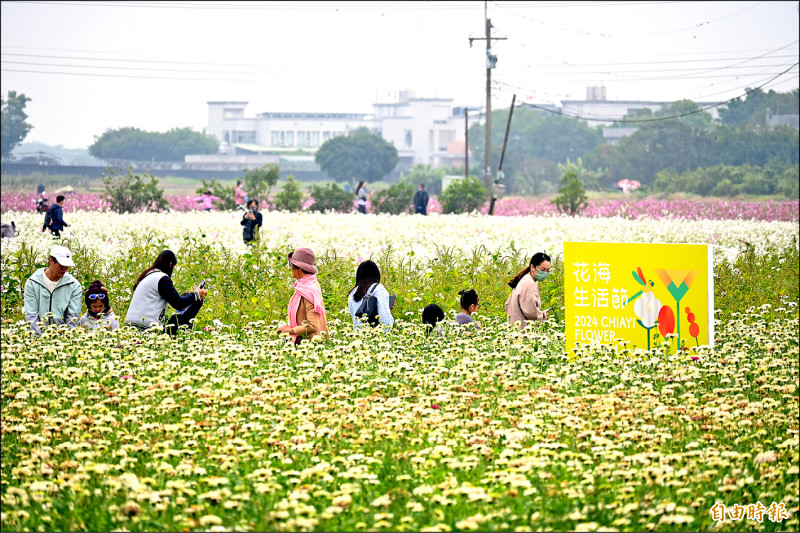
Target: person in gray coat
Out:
[8,231]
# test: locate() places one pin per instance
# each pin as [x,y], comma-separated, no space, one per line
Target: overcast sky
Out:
[89,66]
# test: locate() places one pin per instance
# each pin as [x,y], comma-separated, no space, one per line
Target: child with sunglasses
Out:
[98,308]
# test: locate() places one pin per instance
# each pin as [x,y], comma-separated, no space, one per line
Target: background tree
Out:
[571,197]
[752,111]
[463,196]
[12,122]
[258,182]
[360,155]
[535,138]
[133,144]
[432,178]
[331,197]
[290,198]
[128,193]
[394,200]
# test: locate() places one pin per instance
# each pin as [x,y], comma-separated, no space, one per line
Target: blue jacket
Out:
[57,216]
[64,303]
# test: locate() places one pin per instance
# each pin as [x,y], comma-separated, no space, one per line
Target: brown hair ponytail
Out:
[515,280]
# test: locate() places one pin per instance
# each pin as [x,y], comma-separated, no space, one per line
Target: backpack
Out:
[369,307]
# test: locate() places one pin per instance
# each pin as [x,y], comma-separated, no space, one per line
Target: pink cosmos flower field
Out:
[712,208]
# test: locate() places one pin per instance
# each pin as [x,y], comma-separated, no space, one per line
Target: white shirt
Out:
[50,284]
[384,311]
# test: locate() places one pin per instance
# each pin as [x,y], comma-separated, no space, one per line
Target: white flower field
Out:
[228,427]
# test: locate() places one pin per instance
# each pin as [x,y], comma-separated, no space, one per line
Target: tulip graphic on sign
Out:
[678,283]
[646,307]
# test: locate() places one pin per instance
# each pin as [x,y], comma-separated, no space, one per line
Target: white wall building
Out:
[423,130]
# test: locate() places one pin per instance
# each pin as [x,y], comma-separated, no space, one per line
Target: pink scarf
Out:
[306,287]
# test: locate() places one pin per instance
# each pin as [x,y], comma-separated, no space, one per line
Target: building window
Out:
[276,138]
[301,138]
[315,138]
[248,137]
[409,139]
[326,136]
[289,141]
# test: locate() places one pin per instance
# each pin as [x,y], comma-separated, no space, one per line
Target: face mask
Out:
[540,276]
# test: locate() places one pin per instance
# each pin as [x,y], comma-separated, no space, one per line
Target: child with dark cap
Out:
[98,308]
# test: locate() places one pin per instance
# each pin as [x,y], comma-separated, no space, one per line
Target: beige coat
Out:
[307,315]
[524,304]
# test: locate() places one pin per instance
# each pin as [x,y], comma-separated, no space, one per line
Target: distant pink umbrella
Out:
[626,185]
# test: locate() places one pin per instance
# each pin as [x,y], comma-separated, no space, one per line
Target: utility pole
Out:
[491,62]
[466,142]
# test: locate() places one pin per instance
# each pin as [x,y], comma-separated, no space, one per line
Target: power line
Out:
[609,73]
[361,66]
[659,119]
[607,35]
[569,96]
[250,6]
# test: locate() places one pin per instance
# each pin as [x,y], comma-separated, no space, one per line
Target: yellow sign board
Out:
[635,291]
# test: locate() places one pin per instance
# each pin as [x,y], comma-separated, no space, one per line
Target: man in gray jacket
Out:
[53,296]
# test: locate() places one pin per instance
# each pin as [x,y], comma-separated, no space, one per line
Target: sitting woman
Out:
[98,308]
[306,308]
[469,305]
[368,283]
[152,292]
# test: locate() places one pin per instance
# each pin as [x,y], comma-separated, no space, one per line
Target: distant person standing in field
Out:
[52,296]
[54,218]
[525,304]
[361,194]
[421,200]
[208,200]
[240,197]
[251,221]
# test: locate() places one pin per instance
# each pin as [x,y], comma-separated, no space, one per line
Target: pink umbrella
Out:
[626,185]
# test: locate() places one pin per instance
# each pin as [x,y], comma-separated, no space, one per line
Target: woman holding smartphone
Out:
[524,304]
[152,292]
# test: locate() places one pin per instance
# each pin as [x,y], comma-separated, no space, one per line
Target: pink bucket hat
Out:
[304,258]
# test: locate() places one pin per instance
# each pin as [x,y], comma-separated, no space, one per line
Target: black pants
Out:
[183,318]
[362,209]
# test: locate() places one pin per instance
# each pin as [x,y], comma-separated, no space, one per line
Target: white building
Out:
[423,130]
[598,111]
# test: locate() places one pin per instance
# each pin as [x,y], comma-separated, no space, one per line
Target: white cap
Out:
[62,255]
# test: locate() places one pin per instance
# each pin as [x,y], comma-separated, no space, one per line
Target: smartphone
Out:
[202,284]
